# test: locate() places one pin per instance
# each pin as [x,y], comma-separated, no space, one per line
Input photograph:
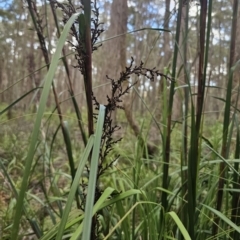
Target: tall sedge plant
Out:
[39,29]
[84,65]
[85,31]
[185,112]
[193,158]
[70,87]
[225,135]
[167,135]
[236,182]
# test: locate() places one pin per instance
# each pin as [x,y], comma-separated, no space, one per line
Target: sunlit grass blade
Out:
[180,225]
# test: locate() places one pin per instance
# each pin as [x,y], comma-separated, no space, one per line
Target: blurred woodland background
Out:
[21,56]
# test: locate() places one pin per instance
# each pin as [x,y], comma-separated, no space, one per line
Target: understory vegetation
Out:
[80,159]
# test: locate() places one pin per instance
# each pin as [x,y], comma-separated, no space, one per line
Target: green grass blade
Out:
[226,161]
[180,225]
[225,137]
[34,138]
[100,204]
[124,225]
[134,31]
[34,224]
[68,144]
[79,117]
[73,219]
[236,181]
[167,135]
[192,175]
[18,100]
[93,176]
[21,79]
[223,217]
[74,187]
[126,215]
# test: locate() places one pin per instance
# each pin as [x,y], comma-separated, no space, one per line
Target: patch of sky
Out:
[194,10]
[94,69]
[5,4]
[8,40]
[36,45]
[132,4]
[219,35]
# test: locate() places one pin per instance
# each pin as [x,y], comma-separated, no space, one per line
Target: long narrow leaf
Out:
[74,187]
[223,217]
[100,204]
[18,100]
[42,104]
[181,227]
[93,175]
